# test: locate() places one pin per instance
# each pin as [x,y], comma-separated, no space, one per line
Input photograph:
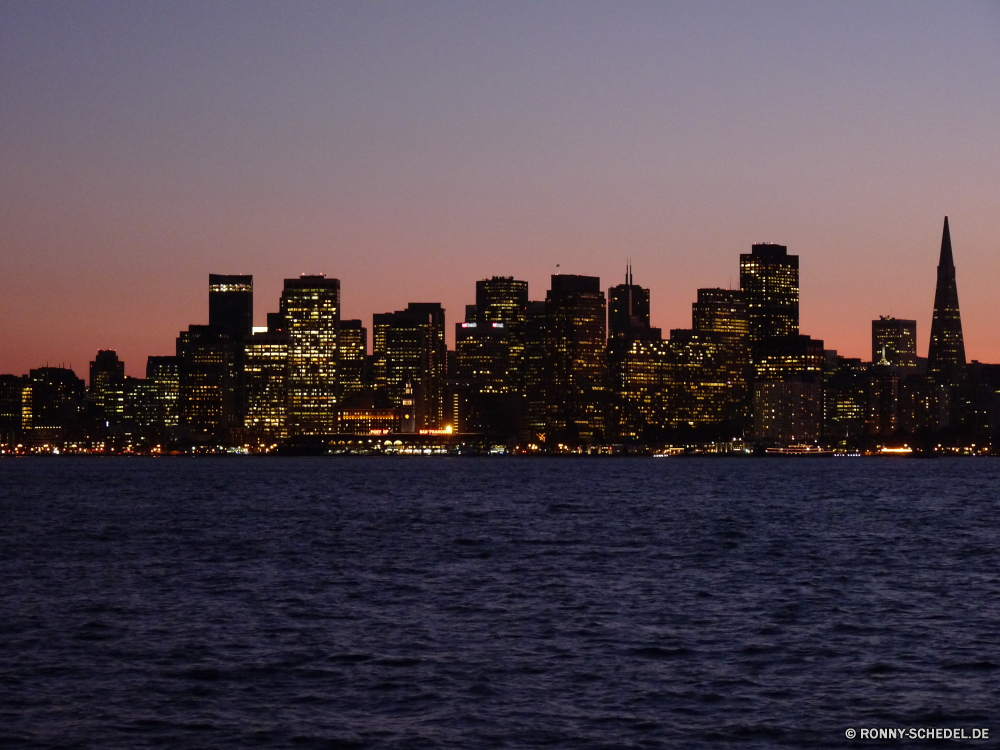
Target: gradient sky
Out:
[410,149]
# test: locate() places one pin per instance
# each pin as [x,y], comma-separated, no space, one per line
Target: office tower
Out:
[15,408]
[266,385]
[628,307]
[501,299]
[883,399]
[164,375]
[635,357]
[637,382]
[946,353]
[230,304]
[535,402]
[353,353]
[310,306]
[410,353]
[207,364]
[106,371]
[698,376]
[576,376]
[845,397]
[769,280]
[788,389]
[57,403]
[788,411]
[894,343]
[723,312]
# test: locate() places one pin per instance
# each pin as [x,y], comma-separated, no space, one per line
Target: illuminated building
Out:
[895,341]
[57,404]
[769,280]
[266,384]
[15,408]
[310,307]
[163,374]
[628,308]
[788,411]
[636,357]
[230,304]
[368,412]
[410,351]
[723,312]
[698,378]
[788,389]
[105,371]
[845,397]
[946,353]
[206,394]
[636,374]
[535,404]
[575,369]
[883,399]
[353,354]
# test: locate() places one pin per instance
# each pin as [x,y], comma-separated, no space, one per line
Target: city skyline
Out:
[410,151]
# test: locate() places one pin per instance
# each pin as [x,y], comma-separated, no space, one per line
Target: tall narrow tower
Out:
[946,353]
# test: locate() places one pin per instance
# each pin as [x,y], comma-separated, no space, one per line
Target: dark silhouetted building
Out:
[15,408]
[946,353]
[628,308]
[230,304]
[209,373]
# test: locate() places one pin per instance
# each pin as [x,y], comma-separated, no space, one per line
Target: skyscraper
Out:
[895,342]
[353,353]
[577,373]
[769,279]
[628,307]
[310,306]
[410,359]
[946,353]
[230,303]
[105,371]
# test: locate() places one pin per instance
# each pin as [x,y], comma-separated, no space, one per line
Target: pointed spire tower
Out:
[946,353]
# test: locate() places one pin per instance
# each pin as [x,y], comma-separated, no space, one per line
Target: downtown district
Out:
[575,373]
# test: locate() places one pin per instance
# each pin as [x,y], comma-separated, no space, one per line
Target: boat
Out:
[800,450]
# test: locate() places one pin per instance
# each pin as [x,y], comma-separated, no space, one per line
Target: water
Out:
[465,603]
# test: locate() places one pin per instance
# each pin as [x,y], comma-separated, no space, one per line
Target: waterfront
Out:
[493,602]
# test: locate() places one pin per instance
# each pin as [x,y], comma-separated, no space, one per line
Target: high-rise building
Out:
[208,370]
[636,358]
[230,303]
[946,353]
[310,307]
[628,307]
[15,408]
[266,384]
[723,312]
[575,347]
[57,402]
[410,353]
[769,279]
[164,375]
[353,354]
[105,371]
[845,397]
[894,343]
